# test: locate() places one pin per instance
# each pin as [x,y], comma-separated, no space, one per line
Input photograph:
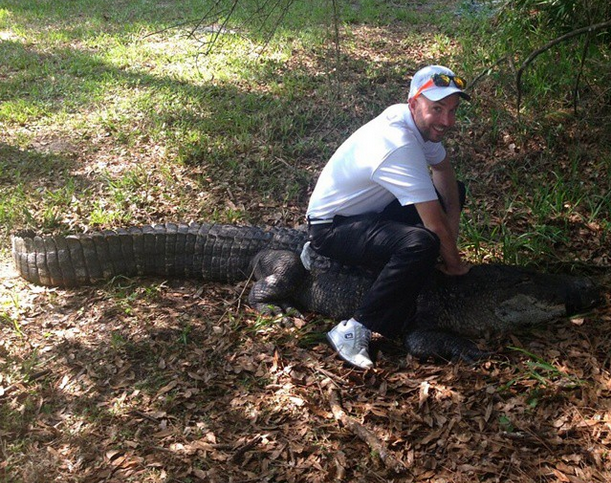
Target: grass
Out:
[97,85]
[170,126]
[131,85]
[7,320]
[543,374]
[545,156]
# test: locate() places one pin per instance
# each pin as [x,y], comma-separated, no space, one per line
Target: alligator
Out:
[490,299]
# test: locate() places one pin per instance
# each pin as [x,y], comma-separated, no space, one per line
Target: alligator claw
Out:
[267,309]
[275,309]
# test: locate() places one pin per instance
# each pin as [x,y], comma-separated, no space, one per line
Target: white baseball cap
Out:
[433,92]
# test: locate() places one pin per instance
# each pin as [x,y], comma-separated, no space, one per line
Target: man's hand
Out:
[461,268]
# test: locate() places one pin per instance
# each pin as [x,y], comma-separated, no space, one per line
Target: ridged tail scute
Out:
[213,252]
[224,251]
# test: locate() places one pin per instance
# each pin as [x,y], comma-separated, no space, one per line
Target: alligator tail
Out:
[213,252]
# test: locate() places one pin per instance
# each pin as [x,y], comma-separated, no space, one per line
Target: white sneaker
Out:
[351,341]
[306,256]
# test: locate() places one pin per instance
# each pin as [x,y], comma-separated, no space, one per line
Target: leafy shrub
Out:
[558,16]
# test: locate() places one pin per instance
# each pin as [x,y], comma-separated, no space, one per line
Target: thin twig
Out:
[238,299]
[31,378]
[586,46]
[238,456]
[486,71]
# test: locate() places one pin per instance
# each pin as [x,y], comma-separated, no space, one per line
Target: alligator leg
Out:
[278,273]
[424,339]
[439,344]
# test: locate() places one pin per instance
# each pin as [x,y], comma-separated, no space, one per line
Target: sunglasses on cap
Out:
[442,80]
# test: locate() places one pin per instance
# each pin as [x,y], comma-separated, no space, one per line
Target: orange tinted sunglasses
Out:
[442,80]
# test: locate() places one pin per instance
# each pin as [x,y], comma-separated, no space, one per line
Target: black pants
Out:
[396,243]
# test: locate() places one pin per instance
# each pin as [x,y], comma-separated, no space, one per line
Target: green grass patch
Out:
[133,84]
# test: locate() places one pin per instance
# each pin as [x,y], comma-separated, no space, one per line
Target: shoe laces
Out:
[362,336]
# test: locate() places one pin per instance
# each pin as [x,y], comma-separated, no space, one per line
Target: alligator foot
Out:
[278,273]
[426,343]
[276,308]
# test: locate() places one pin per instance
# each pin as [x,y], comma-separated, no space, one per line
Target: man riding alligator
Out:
[375,204]
[377,211]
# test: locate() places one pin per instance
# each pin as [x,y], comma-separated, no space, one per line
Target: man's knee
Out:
[429,241]
[422,242]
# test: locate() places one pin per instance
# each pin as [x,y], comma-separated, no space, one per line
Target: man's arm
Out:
[436,220]
[444,179]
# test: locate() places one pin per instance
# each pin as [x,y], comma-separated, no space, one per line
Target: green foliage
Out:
[564,111]
[558,16]
[570,73]
[544,372]
[6,319]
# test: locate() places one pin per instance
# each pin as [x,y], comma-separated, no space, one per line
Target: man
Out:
[388,199]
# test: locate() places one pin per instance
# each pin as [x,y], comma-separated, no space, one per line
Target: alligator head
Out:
[501,298]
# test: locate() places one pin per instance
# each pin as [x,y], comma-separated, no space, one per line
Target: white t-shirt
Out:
[383,160]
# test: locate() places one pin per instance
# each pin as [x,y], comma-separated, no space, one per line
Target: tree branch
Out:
[364,434]
[589,29]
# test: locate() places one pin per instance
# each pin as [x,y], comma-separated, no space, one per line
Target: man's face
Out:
[434,118]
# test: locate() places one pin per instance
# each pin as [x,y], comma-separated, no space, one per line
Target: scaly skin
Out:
[489,299]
